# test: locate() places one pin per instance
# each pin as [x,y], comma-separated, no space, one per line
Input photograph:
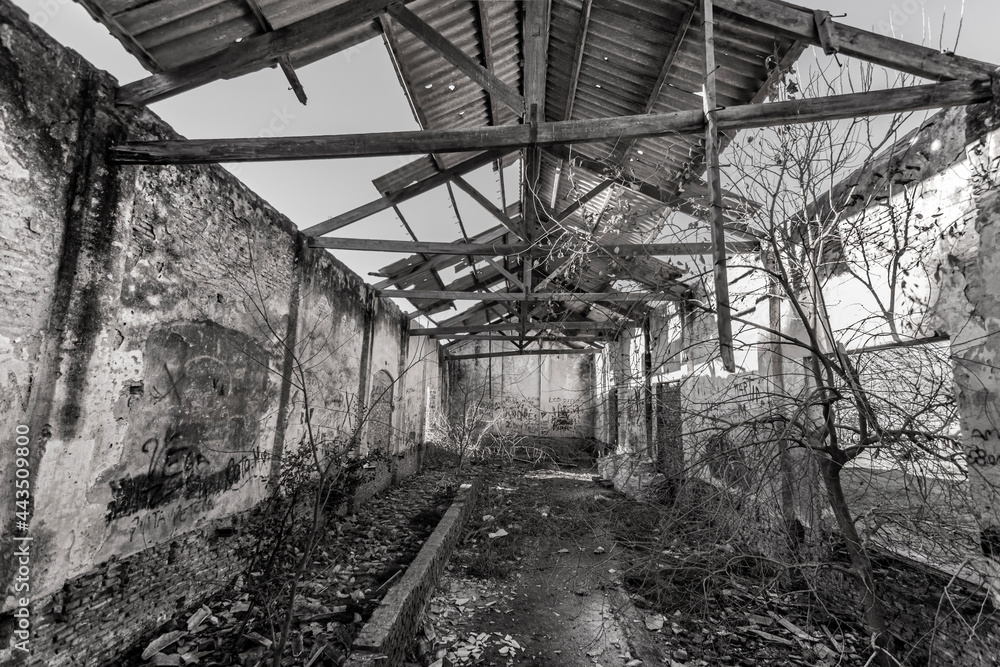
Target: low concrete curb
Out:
[383,640]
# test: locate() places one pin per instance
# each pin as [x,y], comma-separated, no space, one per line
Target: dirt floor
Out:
[557,606]
[545,578]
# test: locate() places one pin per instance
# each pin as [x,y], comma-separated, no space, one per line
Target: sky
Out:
[358,91]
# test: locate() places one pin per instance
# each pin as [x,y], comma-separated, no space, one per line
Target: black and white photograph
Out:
[500,333]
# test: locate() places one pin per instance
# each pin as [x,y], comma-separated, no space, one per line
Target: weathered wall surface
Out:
[546,395]
[161,332]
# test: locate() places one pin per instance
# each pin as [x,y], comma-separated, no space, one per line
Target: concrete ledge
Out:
[383,639]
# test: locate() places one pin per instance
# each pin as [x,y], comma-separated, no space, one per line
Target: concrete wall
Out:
[542,395]
[151,320]
[637,383]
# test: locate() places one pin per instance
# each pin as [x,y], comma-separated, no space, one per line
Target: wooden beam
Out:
[595,337]
[413,271]
[454,55]
[668,62]
[506,138]
[716,221]
[409,192]
[283,62]
[490,207]
[583,297]
[800,23]
[521,353]
[261,51]
[515,326]
[563,215]
[504,272]
[489,54]
[581,44]
[508,249]
[535,43]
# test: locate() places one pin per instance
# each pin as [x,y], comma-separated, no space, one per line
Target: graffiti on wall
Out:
[380,415]
[978,456]
[563,415]
[194,431]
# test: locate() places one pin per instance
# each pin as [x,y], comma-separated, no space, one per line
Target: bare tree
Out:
[847,267]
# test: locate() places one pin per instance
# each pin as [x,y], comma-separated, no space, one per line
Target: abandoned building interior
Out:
[746,314]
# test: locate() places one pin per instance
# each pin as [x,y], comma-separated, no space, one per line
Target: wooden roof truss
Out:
[628,130]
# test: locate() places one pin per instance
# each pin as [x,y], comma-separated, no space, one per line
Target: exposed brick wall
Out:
[98,613]
[394,622]
[142,336]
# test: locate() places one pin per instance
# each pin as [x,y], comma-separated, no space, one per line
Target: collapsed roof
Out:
[613,110]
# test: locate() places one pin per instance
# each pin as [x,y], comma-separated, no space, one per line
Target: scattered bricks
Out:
[383,640]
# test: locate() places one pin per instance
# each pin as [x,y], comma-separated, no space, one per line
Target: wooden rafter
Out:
[489,206]
[535,41]
[409,192]
[283,62]
[800,23]
[668,62]
[489,53]
[564,215]
[454,55]
[127,39]
[261,51]
[574,82]
[506,138]
[514,280]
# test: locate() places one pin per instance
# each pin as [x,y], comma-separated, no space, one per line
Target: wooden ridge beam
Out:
[512,137]
[506,249]
[409,192]
[258,52]
[521,353]
[584,297]
[800,23]
[454,55]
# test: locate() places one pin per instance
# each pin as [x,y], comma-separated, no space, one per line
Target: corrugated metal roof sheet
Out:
[627,47]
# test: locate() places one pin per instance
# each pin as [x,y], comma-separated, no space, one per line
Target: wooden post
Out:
[716,218]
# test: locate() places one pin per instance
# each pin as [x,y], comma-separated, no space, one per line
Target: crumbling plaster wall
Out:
[540,395]
[144,318]
[637,383]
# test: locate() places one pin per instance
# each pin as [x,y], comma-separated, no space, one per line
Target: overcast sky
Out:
[357,91]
